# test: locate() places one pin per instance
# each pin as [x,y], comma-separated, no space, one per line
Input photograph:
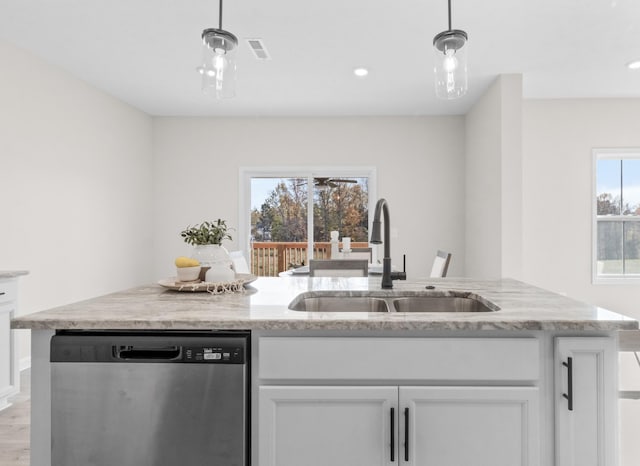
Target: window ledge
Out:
[618,280]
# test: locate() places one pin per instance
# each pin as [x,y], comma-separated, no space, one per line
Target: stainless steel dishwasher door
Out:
[149,414]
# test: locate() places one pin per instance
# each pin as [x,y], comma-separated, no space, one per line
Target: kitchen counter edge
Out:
[263,306]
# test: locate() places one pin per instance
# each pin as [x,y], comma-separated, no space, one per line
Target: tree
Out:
[283,215]
[608,205]
[290,208]
[262,222]
[343,208]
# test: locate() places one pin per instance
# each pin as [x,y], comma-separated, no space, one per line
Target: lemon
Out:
[186,262]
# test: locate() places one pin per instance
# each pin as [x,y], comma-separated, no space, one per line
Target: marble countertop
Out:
[263,305]
[12,273]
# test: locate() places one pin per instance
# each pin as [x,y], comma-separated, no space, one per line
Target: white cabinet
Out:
[322,426]
[405,358]
[412,426]
[585,385]
[367,401]
[482,426]
[537,400]
[9,371]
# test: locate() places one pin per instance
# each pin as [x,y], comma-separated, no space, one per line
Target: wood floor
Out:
[14,426]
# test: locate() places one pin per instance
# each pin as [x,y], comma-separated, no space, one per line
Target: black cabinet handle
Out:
[393,434]
[167,353]
[406,434]
[2,293]
[569,394]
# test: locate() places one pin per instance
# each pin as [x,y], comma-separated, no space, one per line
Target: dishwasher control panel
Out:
[154,348]
[213,354]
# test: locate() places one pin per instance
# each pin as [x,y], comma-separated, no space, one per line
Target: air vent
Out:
[258,48]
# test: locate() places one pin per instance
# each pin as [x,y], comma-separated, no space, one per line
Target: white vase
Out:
[220,272]
[210,254]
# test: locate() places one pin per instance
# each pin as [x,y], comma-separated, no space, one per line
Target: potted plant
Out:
[206,238]
[207,233]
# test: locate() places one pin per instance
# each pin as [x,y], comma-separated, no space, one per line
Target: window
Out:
[617,214]
[280,206]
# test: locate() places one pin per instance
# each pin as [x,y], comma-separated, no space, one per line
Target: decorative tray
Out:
[211,287]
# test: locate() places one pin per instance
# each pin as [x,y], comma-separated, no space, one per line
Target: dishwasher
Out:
[150,398]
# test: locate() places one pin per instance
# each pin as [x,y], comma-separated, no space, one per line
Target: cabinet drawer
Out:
[7,291]
[419,359]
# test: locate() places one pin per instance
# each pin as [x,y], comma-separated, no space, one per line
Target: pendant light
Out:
[450,62]
[218,67]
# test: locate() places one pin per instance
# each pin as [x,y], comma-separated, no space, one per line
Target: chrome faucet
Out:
[387,275]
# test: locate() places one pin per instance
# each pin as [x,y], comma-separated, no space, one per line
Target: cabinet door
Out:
[9,375]
[480,426]
[6,357]
[322,426]
[585,398]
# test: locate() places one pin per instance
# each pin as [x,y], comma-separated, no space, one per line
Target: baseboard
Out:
[25,363]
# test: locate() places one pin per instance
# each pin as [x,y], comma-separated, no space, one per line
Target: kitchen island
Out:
[531,382]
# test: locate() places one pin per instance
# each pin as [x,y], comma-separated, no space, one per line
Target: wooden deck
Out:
[268,259]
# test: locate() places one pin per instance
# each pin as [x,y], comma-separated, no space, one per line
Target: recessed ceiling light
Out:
[361,72]
[634,65]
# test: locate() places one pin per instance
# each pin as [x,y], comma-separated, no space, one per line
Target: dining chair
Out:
[338,267]
[240,264]
[360,253]
[440,264]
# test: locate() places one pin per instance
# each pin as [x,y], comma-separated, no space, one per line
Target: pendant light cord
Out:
[220,16]
[449,14]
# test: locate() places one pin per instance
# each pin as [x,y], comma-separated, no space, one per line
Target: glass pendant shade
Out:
[218,67]
[450,49]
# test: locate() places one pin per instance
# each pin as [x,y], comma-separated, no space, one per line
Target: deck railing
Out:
[268,259]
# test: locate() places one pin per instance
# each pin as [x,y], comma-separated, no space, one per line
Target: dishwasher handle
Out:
[165,353]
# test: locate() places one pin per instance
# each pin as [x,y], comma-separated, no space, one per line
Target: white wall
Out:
[75,185]
[419,161]
[557,190]
[493,170]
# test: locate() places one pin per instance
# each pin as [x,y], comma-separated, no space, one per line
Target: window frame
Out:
[308,172]
[612,154]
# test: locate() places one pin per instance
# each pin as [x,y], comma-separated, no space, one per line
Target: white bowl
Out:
[188,274]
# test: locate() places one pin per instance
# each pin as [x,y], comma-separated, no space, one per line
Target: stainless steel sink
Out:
[339,304]
[439,304]
[376,301]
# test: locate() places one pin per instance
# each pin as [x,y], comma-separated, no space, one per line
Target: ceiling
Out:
[145,52]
